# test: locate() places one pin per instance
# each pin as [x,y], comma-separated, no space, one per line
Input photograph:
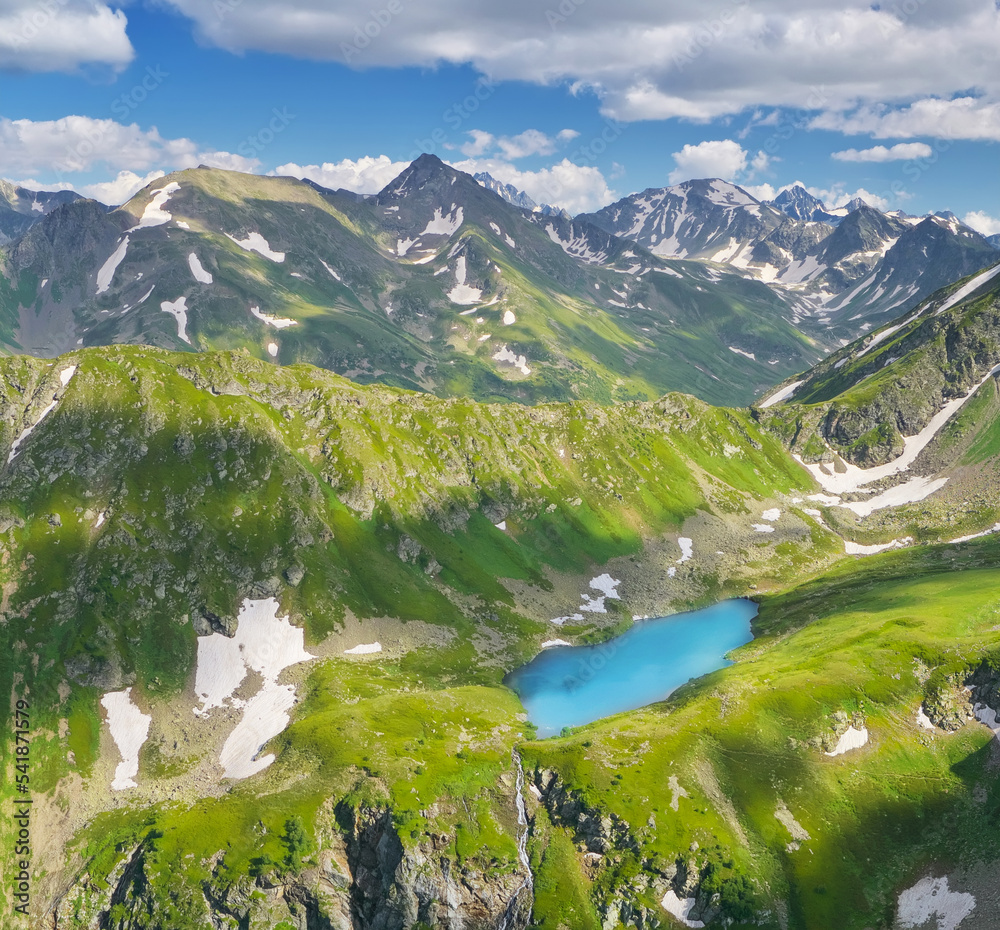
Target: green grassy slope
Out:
[164,488]
[863,399]
[868,643]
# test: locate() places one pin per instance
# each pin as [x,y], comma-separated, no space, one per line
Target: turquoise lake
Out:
[567,686]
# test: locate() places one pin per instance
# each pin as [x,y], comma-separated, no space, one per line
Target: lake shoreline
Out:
[569,686]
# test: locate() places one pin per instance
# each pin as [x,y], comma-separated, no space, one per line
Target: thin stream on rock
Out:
[522,850]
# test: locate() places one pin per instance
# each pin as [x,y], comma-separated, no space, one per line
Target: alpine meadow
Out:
[452,539]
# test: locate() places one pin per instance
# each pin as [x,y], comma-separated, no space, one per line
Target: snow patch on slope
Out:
[154,214]
[275,321]
[852,739]
[778,396]
[178,310]
[264,643]
[107,273]
[680,909]
[977,282]
[462,293]
[932,899]
[200,275]
[853,548]
[962,539]
[255,242]
[885,334]
[65,376]
[578,247]
[445,224]
[853,478]
[911,492]
[129,728]
[365,649]
[504,354]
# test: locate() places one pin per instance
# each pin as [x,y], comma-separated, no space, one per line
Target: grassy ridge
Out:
[219,475]
[163,489]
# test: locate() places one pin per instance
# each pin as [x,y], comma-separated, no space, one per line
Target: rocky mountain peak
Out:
[797,203]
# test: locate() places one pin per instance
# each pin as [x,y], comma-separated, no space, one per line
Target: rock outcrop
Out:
[362,878]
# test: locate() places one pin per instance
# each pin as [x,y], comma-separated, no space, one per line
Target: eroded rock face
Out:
[951,704]
[984,683]
[362,878]
[205,623]
[395,888]
[948,356]
[949,707]
[606,838]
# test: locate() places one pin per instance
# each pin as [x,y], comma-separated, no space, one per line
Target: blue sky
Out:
[577,101]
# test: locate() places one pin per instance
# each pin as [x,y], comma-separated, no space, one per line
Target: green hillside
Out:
[152,500]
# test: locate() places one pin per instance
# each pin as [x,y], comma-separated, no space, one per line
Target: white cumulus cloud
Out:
[574,188]
[839,196]
[75,144]
[721,158]
[833,197]
[904,151]
[62,35]
[480,143]
[763,192]
[74,149]
[119,190]
[969,118]
[228,161]
[855,61]
[366,175]
[511,148]
[982,223]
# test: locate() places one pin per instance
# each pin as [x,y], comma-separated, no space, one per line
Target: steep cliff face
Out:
[862,401]
[606,843]
[953,700]
[361,878]
[394,888]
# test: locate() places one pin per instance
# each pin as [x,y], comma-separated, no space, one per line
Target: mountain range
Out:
[439,283]
[391,555]
[513,196]
[842,271]
[293,479]
[21,208]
